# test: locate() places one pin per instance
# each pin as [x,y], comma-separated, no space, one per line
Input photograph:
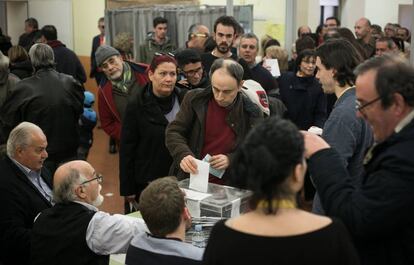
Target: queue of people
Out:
[178,105]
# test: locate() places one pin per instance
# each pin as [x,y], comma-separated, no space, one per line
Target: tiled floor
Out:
[107,165]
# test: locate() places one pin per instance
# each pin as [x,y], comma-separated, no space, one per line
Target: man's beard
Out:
[223,48]
[99,199]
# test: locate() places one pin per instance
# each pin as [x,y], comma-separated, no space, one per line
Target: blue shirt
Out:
[36,179]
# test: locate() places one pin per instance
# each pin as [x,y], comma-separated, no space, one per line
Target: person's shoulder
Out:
[140,68]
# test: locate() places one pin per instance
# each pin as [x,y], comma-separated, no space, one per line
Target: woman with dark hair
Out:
[302,94]
[143,156]
[271,164]
[20,64]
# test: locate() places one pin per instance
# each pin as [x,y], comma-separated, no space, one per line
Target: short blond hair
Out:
[276,52]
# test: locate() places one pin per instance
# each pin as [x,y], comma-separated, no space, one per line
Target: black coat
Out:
[54,102]
[379,214]
[143,156]
[21,203]
[304,100]
[22,69]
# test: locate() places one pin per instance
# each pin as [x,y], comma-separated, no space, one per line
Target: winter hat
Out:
[104,52]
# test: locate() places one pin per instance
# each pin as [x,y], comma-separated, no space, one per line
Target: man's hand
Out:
[313,143]
[219,161]
[189,165]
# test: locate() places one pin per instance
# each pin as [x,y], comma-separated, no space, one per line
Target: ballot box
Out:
[220,201]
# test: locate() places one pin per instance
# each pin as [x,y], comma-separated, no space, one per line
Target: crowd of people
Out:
[333,128]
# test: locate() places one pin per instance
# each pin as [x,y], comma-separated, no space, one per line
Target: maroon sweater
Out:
[219,137]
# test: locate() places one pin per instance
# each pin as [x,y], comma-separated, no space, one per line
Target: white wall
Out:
[382,12]
[57,13]
[16,15]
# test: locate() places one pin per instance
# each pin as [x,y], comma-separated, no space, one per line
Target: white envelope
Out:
[199,181]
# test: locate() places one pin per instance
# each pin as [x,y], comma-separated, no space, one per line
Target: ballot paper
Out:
[315,130]
[213,171]
[199,181]
[274,67]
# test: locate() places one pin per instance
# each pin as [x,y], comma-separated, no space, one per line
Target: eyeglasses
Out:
[164,54]
[193,72]
[359,106]
[98,177]
[201,35]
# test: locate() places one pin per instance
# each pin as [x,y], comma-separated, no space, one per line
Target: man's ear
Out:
[79,191]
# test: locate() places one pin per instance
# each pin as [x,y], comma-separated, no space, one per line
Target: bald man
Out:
[74,231]
[363,34]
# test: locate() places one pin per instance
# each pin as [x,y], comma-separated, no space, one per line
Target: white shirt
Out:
[111,234]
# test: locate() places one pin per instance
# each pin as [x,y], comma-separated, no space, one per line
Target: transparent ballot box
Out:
[220,201]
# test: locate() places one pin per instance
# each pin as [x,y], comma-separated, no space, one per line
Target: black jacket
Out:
[54,102]
[143,156]
[304,100]
[379,214]
[21,69]
[67,61]
[21,203]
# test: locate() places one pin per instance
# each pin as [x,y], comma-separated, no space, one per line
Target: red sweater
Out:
[219,137]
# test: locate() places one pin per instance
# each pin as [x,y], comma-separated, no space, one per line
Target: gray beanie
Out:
[104,52]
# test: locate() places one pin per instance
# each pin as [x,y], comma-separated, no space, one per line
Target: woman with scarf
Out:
[143,155]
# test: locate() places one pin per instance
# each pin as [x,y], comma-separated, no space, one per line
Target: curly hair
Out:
[266,158]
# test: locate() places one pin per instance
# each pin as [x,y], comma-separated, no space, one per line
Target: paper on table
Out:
[199,181]
[274,67]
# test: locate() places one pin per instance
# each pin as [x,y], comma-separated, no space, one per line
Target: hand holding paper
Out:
[199,181]
[189,165]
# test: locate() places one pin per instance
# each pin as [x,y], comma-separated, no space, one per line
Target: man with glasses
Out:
[25,190]
[379,213]
[191,72]
[197,36]
[343,130]
[97,41]
[74,231]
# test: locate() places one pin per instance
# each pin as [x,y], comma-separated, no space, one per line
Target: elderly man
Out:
[191,70]
[385,45]
[122,78]
[197,36]
[248,48]
[156,41]
[379,213]
[163,209]
[67,61]
[74,223]
[25,190]
[363,34]
[212,121]
[53,101]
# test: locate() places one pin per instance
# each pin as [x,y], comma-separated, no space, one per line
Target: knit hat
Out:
[104,52]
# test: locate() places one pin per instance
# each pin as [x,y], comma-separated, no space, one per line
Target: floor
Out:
[106,164]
